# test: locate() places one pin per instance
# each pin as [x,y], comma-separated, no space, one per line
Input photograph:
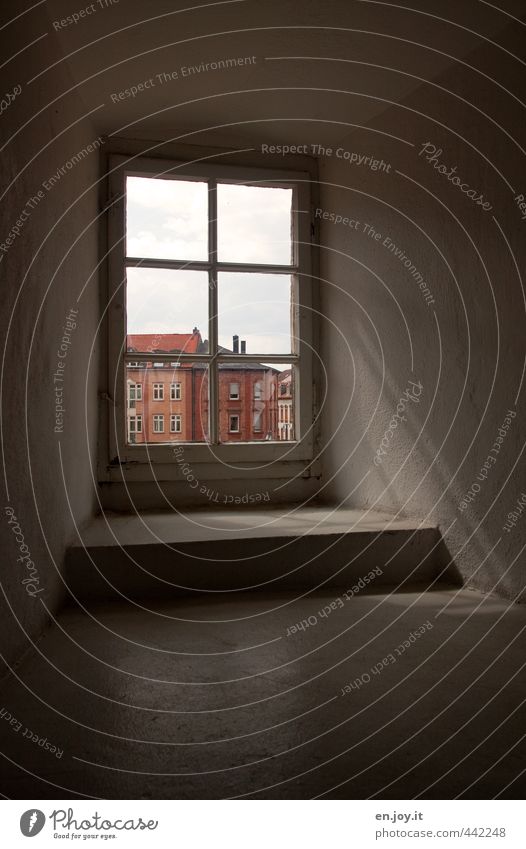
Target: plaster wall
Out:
[462,344]
[48,269]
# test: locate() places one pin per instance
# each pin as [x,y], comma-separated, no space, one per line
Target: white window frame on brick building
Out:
[288,460]
[176,423]
[135,392]
[257,421]
[175,392]
[135,423]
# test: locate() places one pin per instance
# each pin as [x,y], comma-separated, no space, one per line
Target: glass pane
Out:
[166,219]
[167,310]
[254,224]
[257,309]
[156,417]
[264,410]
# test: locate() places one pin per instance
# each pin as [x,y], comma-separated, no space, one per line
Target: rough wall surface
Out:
[424,309]
[48,231]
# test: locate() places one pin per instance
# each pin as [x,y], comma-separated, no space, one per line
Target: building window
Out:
[257,421]
[135,392]
[258,391]
[135,424]
[176,423]
[175,392]
[233,425]
[234,392]
[158,424]
[158,391]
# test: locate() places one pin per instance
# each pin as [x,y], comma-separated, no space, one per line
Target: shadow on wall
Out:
[472,556]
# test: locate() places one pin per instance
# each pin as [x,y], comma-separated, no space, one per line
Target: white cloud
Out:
[169,219]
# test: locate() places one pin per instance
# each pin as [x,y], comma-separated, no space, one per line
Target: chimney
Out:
[235,344]
[243,346]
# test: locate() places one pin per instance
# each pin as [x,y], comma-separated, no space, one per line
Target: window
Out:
[135,424]
[256,422]
[175,423]
[175,392]
[158,424]
[209,252]
[135,392]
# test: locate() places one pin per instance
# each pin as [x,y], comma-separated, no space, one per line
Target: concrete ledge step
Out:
[201,551]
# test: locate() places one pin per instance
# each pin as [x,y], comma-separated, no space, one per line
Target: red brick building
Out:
[168,401]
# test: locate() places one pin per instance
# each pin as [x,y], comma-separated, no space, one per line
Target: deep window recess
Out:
[217,294]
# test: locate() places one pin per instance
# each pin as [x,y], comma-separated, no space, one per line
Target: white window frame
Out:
[236,395]
[257,415]
[137,419]
[230,428]
[137,388]
[158,423]
[287,461]
[176,391]
[176,419]
[158,391]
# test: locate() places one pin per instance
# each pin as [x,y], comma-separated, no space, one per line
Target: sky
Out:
[167,219]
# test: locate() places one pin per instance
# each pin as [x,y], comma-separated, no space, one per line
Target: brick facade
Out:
[171,404]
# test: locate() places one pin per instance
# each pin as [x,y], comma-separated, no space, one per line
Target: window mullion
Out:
[213,376]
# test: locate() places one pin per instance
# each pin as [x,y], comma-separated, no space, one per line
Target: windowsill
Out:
[175,452]
[291,520]
[253,471]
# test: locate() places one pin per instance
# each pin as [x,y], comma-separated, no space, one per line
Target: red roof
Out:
[188,343]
